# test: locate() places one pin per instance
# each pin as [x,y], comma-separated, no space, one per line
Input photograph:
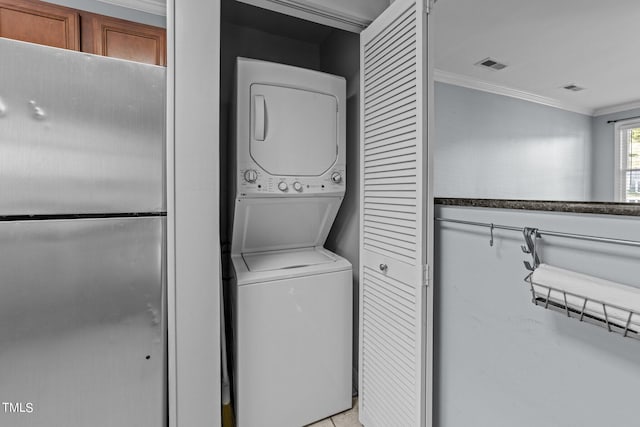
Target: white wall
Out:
[603,149]
[493,146]
[502,361]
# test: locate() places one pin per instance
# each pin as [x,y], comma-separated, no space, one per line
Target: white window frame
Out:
[620,167]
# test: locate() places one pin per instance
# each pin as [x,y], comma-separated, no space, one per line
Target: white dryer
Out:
[292,311]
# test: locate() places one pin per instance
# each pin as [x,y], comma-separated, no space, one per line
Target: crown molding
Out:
[315,11]
[155,7]
[472,83]
[617,108]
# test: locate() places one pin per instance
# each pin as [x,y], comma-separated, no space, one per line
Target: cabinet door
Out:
[39,22]
[122,39]
[396,219]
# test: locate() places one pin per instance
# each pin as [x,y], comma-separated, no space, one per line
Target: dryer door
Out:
[294,132]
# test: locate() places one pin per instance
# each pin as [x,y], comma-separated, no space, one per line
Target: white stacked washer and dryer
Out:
[292,299]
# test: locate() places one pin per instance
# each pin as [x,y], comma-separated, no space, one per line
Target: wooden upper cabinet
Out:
[52,25]
[39,22]
[117,38]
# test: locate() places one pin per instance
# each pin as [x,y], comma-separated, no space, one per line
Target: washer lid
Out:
[294,132]
[280,260]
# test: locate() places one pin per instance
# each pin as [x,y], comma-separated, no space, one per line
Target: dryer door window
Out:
[293,132]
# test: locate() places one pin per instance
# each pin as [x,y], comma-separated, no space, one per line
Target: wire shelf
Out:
[614,318]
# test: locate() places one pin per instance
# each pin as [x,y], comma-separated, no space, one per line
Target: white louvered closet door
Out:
[396,213]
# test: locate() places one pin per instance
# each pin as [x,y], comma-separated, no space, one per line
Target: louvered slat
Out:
[392,128]
[396,79]
[396,97]
[391,152]
[393,194]
[391,106]
[389,223]
[399,28]
[393,207]
[391,161]
[411,128]
[407,171]
[390,94]
[401,108]
[404,306]
[396,201]
[379,347]
[394,213]
[392,285]
[383,118]
[381,227]
[401,249]
[401,67]
[380,62]
[398,139]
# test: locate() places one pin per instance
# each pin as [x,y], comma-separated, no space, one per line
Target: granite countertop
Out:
[602,208]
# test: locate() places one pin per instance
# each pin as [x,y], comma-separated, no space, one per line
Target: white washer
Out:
[292,311]
[293,337]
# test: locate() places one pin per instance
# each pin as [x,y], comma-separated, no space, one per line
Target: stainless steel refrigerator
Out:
[82,232]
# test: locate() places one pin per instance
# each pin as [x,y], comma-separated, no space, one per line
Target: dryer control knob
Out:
[251,176]
[336,177]
[297,186]
[282,186]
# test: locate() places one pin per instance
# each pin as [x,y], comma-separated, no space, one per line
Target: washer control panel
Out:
[252,180]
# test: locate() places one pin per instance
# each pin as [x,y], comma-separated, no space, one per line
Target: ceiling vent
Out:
[491,64]
[573,88]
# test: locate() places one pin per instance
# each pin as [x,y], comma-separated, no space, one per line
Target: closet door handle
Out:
[260,120]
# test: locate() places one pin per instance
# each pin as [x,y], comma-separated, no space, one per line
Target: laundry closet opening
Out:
[255,33]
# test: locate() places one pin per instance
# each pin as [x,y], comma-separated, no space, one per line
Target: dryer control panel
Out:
[252,181]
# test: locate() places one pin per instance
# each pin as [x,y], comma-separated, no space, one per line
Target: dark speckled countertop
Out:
[602,208]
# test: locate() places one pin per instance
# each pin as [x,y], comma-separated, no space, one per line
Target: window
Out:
[627,155]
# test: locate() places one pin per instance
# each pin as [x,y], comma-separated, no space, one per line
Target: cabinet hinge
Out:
[428,5]
[425,275]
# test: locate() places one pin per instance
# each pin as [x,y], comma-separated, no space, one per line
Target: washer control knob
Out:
[250,175]
[336,178]
[282,186]
[297,186]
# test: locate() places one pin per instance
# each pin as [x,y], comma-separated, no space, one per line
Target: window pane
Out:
[632,184]
[633,149]
[628,163]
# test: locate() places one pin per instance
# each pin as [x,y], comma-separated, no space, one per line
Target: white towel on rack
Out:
[620,300]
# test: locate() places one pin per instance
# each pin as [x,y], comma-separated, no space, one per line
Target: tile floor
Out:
[347,418]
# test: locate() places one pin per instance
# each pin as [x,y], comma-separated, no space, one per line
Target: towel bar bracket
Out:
[531,237]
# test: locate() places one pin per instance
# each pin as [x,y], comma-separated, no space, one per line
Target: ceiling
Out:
[546,44]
